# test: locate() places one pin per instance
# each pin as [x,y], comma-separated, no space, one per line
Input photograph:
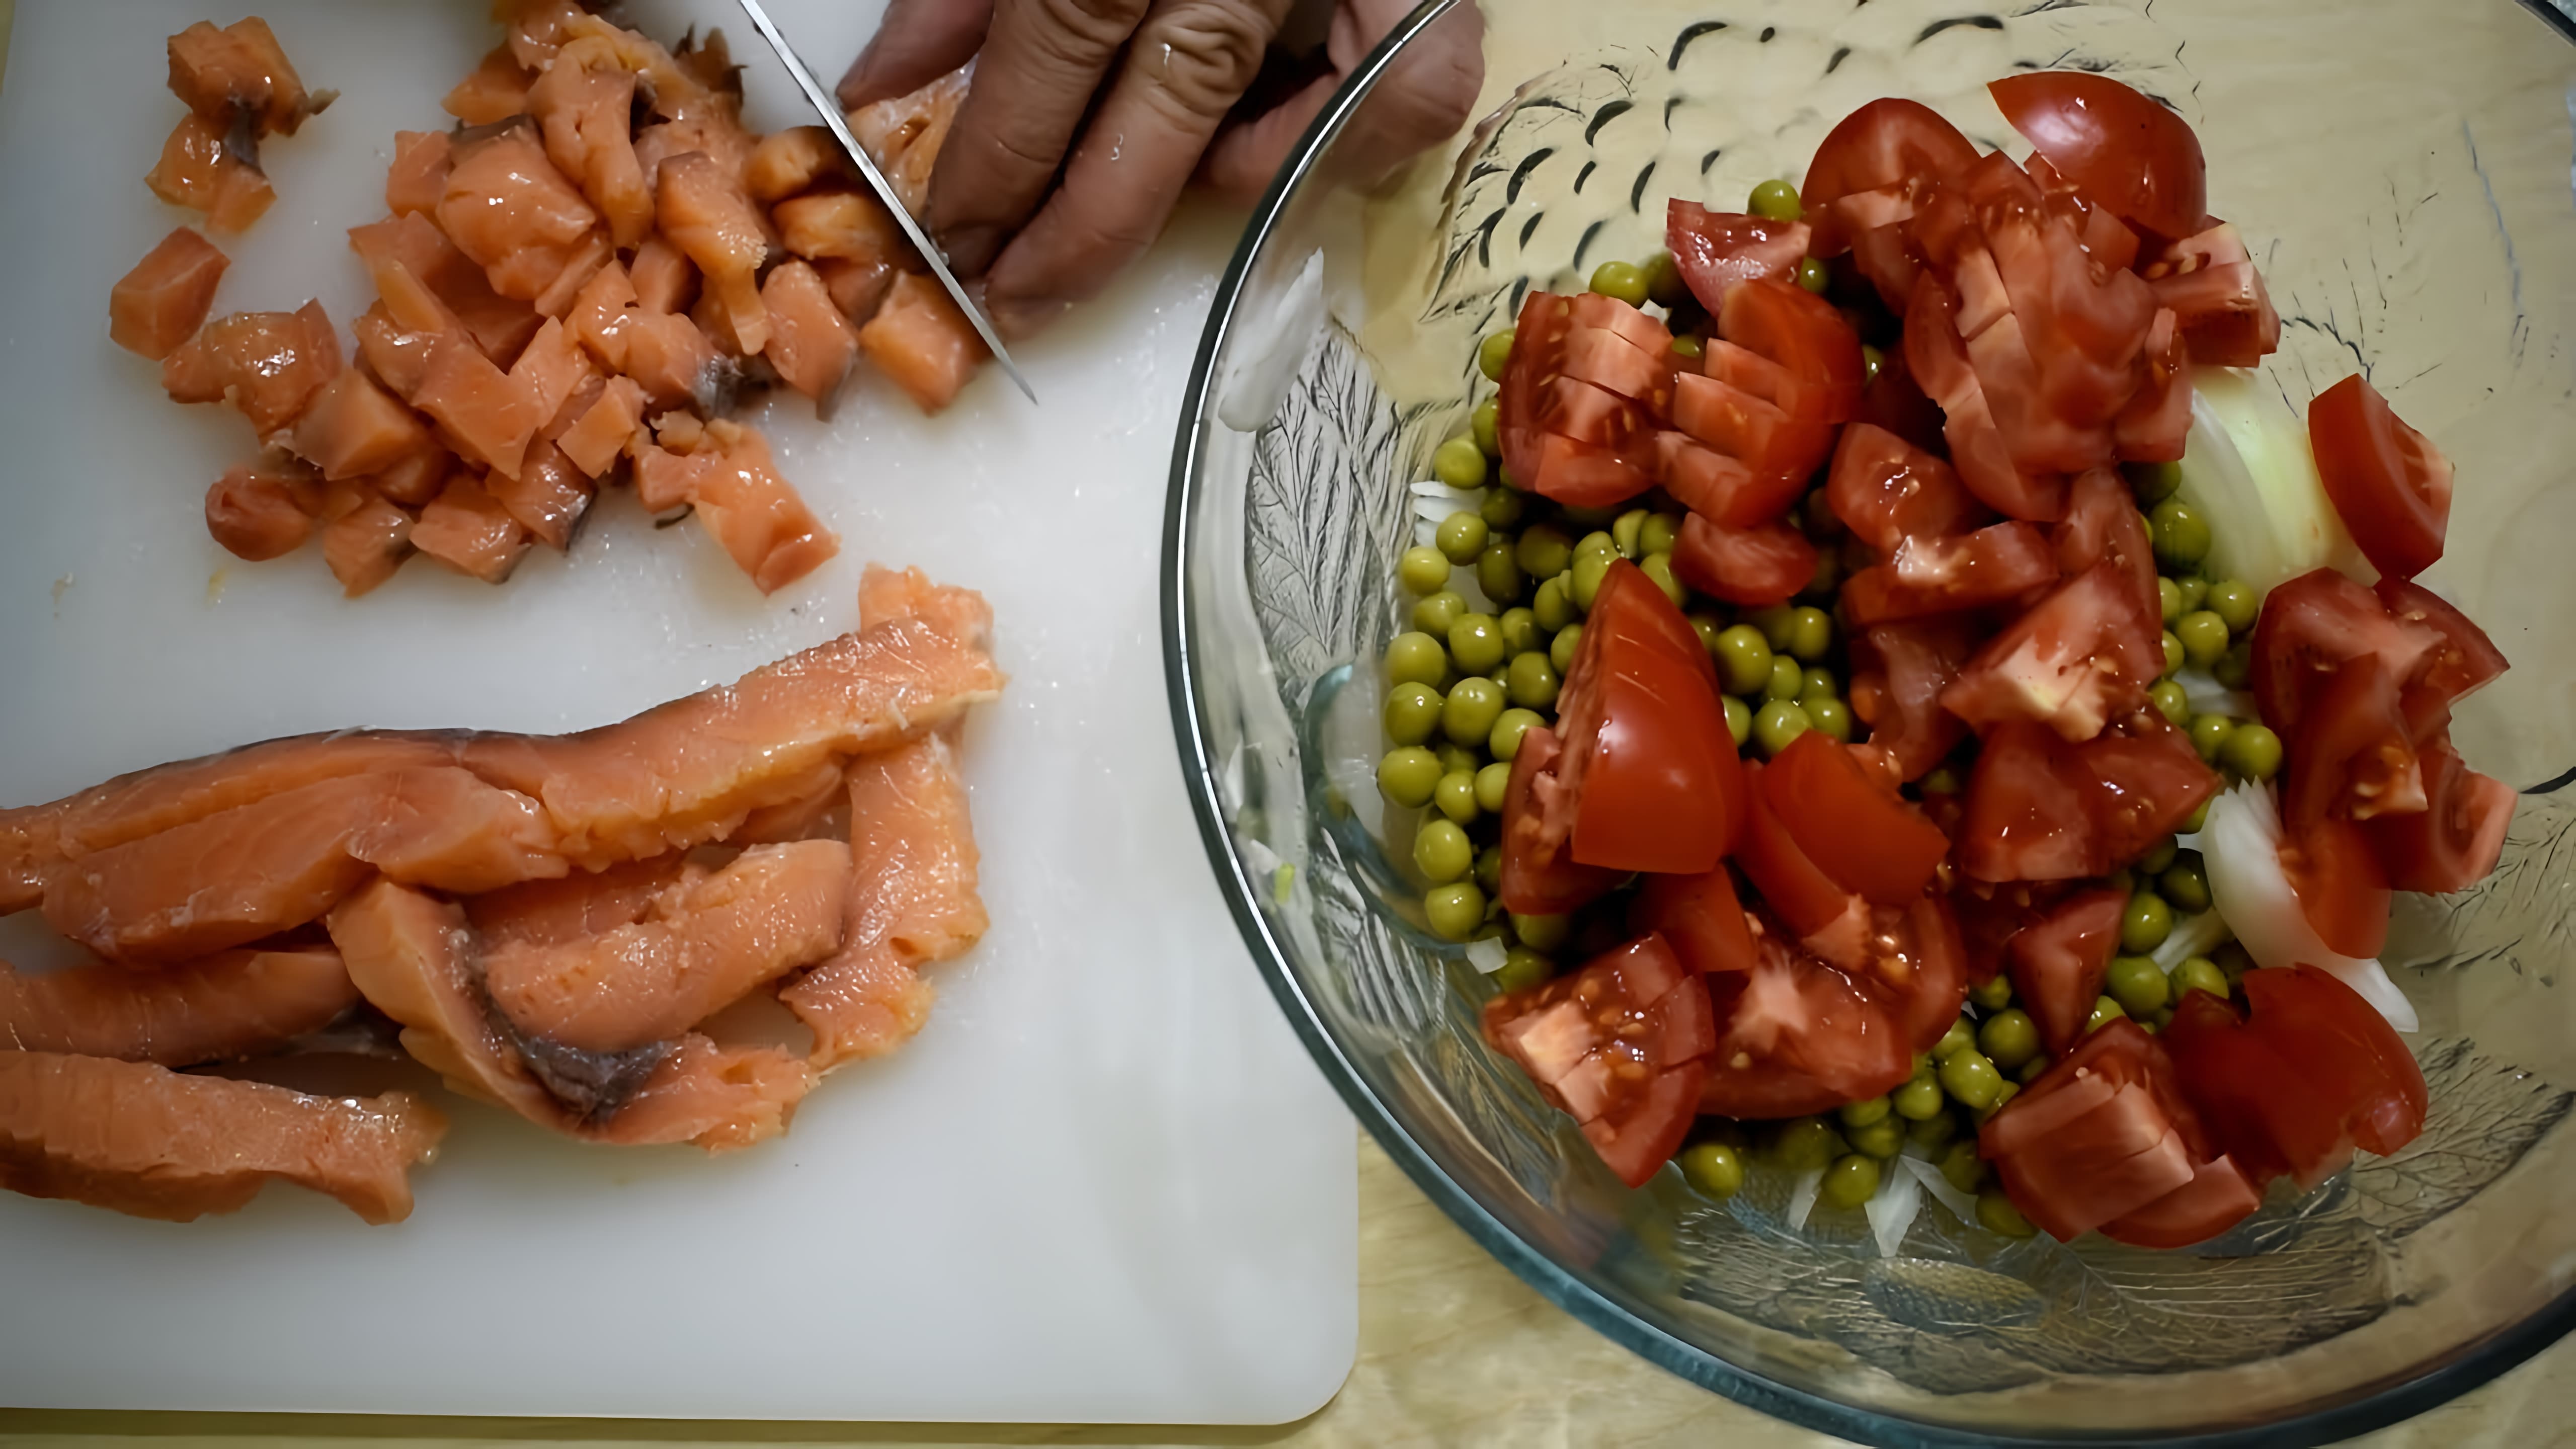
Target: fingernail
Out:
[971,249]
[1016,319]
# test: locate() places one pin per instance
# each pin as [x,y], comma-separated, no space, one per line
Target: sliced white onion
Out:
[1433,510]
[1264,861]
[1426,531]
[2208,696]
[2192,936]
[1458,497]
[1802,1196]
[1487,954]
[2247,468]
[1942,1189]
[2241,851]
[1892,1208]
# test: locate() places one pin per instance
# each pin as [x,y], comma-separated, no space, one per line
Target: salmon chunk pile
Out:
[575,287]
[554,925]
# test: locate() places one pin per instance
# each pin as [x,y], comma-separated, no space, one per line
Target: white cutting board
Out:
[1104,1184]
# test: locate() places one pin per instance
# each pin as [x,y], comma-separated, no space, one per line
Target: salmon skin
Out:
[235,1004]
[147,1141]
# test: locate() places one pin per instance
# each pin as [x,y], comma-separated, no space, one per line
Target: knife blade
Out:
[823,102]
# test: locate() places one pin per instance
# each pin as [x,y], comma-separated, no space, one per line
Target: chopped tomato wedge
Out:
[1620,1046]
[2460,661]
[2147,781]
[2058,963]
[2155,424]
[2123,151]
[1926,970]
[2341,886]
[2456,839]
[1888,260]
[2216,294]
[1721,488]
[1937,357]
[2294,1086]
[2080,656]
[1801,332]
[1889,143]
[1765,564]
[1700,915]
[2355,757]
[2266,1117]
[2103,525]
[2314,623]
[1898,673]
[1564,373]
[1990,916]
[1854,827]
[1716,249]
[1791,884]
[1540,876]
[2345,1048]
[1802,398]
[1797,1036]
[1578,410]
[2217,1198]
[2026,817]
[2094,1138]
[2391,486]
[1894,403]
[1744,427]
[1886,491]
[1948,575]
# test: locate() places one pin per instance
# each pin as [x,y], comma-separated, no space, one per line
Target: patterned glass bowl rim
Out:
[2466,1369]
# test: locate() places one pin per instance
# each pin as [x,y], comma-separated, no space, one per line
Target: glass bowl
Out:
[2401,171]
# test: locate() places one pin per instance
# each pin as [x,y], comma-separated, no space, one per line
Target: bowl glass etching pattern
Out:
[2402,171]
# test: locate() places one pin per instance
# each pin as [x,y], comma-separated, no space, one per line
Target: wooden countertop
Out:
[1453,1350]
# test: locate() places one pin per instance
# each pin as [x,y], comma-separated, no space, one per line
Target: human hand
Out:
[1087,118]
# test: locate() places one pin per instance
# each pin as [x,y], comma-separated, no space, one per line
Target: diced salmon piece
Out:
[844,225]
[913,902]
[487,418]
[699,948]
[512,212]
[199,171]
[712,132]
[164,300]
[547,499]
[585,903]
[418,176]
[365,545]
[886,595]
[690,771]
[663,279]
[701,207]
[920,339]
[495,91]
[256,515]
[268,364]
[241,70]
[234,1004]
[681,432]
[583,114]
[150,1142]
[598,314]
[787,162]
[665,480]
[584,263]
[576,403]
[240,875]
[857,288]
[397,355]
[715,322]
[461,294]
[674,362]
[904,135]
[353,427]
[537,29]
[595,441]
[759,518]
[811,344]
[551,368]
[415,478]
[467,529]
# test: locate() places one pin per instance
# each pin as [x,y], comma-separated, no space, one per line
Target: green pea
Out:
[1659,533]
[2209,733]
[1807,1143]
[1688,345]
[1469,714]
[1739,719]
[2105,1012]
[1961,1036]
[2168,599]
[1708,627]
[1623,280]
[2008,1038]
[2233,961]
[1814,275]
[1936,1130]
[2203,635]
[1455,910]
[1542,933]
[1775,199]
[2153,482]
[1810,632]
[2029,1071]
[1455,797]
[1820,584]
[1919,1100]
[1522,970]
[2235,604]
[1971,1079]
[1407,776]
[1485,425]
[1925,1065]
[1816,681]
[1996,1212]
[1457,759]
[1624,530]
[1543,551]
[1412,712]
[1830,718]
[2146,923]
[1497,574]
[2235,667]
[1459,463]
[1851,1181]
[1533,681]
[2198,818]
[2173,653]
[1520,631]
[2199,973]
[1433,613]
[1492,783]
[1964,1167]
[1501,508]
[1589,570]
[1870,360]
[1943,781]
[2171,701]
[2251,752]
[1992,994]
[2185,884]
[1422,570]
[1462,536]
[1786,678]
[1864,1111]
[1504,742]
[1417,658]
[1600,541]
[1493,353]
[1658,567]
[1780,721]
[1743,659]
[1773,621]
[1664,284]
[1882,1139]
[2193,589]
[1476,642]
[2181,534]
[1712,1169]
[2138,984]
[1560,650]
[1489,869]
[1549,605]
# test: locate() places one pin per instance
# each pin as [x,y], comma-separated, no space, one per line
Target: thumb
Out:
[918,42]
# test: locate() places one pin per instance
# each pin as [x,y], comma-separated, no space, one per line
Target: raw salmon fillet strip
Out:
[147,1141]
[235,1004]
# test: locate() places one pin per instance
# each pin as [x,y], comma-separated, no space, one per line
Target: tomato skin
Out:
[1630,601]
[1717,249]
[2146,783]
[1886,490]
[2291,1088]
[1700,915]
[1538,352]
[2026,817]
[1620,1046]
[1802,398]
[1644,730]
[2217,1198]
[2390,485]
[1577,474]
[1797,1036]
[2116,1159]
[1949,575]
[1791,884]
[1637,1147]
[1859,833]
[2103,525]
[1720,488]
[2309,627]
[2157,420]
[2078,658]
[1889,142]
[1801,332]
[2455,841]
[1891,401]
[2342,1045]
[1898,673]
[2461,661]
[1739,425]
[2126,153]
[2262,1113]
[1937,985]
[1540,876]
[1576,409]
[1765,564]
[2058,963]
[2341,886]
[2216,294]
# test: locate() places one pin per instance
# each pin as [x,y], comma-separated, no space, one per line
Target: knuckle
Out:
[1082,31]
[1205,53]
